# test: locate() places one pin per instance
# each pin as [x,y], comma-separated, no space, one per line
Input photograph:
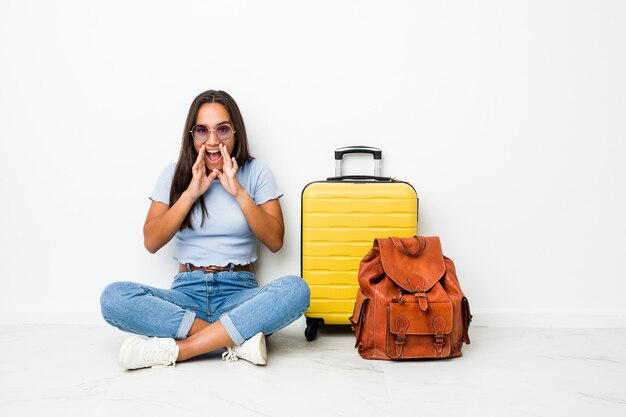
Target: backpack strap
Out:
[439,324]
[402,324]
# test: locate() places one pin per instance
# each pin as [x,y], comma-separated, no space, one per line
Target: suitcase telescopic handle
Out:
[340,152]
[375,152]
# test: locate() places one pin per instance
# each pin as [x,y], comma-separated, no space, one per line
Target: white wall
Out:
[507,117]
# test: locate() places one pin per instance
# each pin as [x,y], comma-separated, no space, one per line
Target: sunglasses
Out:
[202,132]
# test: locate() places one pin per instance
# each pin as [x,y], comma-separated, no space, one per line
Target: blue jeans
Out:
[232,297]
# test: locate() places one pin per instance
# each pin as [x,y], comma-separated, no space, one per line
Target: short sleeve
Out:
[161,191]
[265,188]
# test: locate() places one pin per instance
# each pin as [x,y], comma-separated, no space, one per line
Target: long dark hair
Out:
[188,154]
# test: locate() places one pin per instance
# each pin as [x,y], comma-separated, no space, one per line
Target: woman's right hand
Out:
[200,181]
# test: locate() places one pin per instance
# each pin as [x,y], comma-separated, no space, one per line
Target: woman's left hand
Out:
[228,176]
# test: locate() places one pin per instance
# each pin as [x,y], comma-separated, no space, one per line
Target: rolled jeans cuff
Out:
[185,325]
[231,329]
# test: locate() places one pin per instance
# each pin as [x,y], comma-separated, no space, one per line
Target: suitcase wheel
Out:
[311,329]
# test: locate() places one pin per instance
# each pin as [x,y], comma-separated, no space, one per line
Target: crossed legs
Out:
[169,313]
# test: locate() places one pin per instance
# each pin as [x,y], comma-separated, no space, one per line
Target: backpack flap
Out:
[414,264]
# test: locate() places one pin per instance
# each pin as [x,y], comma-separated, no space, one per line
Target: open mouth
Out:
[214,156]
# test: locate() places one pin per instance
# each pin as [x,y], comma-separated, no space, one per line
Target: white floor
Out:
[69,370]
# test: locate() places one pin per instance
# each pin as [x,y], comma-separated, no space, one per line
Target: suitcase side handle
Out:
[375,152]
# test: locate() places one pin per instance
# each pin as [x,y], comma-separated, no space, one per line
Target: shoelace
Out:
[161,353]
[230,355]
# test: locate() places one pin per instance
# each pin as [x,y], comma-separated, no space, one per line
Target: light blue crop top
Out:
[225,236]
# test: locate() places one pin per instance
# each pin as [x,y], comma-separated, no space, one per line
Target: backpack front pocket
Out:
[414,333]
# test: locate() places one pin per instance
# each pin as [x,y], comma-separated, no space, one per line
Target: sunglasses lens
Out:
[224,132]
[200,132]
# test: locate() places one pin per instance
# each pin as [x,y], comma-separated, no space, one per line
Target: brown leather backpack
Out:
[410,304]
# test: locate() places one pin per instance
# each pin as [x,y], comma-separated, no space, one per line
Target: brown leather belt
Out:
[213,268]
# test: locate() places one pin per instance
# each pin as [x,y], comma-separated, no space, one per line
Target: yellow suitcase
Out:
[341,217]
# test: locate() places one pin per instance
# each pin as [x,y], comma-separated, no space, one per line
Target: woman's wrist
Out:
[188,196]
[242,196]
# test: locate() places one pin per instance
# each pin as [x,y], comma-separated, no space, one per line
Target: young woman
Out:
[215,202]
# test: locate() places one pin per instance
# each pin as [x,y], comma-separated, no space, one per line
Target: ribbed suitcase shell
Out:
[340,221]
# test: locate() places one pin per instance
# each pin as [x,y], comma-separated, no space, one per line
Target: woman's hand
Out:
[266,220]
[200,181]
[228,176]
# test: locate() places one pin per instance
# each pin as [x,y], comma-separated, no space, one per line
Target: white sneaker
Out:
[253,350]
[141,352]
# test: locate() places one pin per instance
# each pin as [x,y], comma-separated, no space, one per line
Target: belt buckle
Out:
[213,268]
